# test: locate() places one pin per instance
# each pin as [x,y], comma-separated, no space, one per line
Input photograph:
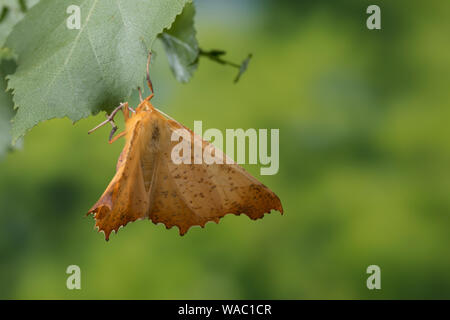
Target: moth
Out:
[149,185]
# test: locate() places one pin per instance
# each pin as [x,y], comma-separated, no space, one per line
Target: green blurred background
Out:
[364,166]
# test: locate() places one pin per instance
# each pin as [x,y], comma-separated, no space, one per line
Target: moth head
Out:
[145,105]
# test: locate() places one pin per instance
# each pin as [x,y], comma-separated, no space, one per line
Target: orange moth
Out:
[149,185]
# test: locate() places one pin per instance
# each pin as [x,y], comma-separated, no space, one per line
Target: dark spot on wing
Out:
[155,133]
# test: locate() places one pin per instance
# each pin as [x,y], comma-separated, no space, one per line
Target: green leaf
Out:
[181,45]
[75,73]
[11,12]
[6,107]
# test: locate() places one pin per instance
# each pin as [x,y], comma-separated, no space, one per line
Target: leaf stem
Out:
[216,55]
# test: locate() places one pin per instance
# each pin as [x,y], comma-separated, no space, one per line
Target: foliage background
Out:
[364,175]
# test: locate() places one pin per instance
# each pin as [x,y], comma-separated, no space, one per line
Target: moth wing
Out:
[148,183]
[193,194]
[125,199]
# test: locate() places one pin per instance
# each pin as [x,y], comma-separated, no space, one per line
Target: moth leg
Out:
[149,82]
[110,119]
[120,135]
[126,115]
[113,130]
[126,111]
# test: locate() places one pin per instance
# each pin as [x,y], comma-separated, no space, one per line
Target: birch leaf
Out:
[6,107]
[11,12]
[75,73]
[181,46]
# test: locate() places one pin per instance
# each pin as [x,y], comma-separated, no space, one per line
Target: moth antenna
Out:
[166,115]
[149,82]
[140,94]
